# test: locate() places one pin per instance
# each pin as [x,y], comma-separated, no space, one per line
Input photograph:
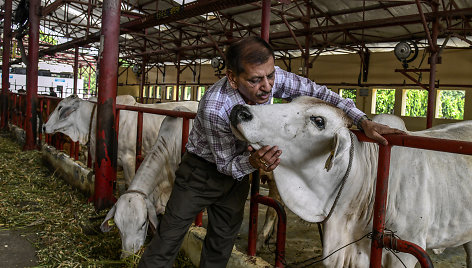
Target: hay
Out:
[61,224]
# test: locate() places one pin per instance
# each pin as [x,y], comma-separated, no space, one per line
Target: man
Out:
[51,92]
[213,172]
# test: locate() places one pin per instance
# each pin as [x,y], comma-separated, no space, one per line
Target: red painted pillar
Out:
[106,154]
[6,63]
[32,76]
[433,60]
[265,23]
[76,68]
[380,206]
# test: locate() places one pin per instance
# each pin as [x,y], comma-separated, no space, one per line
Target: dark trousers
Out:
[198,185]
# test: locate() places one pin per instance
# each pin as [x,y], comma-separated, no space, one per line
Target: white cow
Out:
[429,192]
[150,190]
[72,117]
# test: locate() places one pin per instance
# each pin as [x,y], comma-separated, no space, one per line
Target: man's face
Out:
[255,83]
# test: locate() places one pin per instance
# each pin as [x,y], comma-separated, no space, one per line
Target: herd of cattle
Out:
[429,192]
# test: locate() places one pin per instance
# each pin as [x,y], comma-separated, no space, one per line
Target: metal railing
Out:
[379,240]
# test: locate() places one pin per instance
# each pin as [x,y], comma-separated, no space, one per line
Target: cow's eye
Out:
[319,121]
[59,108]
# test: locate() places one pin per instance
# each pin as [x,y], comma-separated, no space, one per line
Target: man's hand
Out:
[374,131]
[266,157]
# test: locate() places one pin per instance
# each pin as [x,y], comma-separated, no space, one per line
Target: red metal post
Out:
[265,23]
[72,149]
[106,154]
[185,133]
[7,35]
[432,74]
[76,68]
[32,76]
[408,247]
[256,198]
[380,206]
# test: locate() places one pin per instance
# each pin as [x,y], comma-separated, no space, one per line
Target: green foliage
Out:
[452,104]
[348,93]
[93,81]
[416,103]
[46,38]
[384,101]
[277,100]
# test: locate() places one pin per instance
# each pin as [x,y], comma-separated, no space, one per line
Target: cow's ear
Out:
[341,143]
[108,223]
[152,215]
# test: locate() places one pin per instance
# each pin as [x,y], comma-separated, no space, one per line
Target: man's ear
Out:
[231,79]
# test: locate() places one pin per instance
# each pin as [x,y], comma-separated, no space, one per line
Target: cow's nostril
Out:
[240,113]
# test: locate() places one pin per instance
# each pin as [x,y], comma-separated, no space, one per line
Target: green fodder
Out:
[60,222]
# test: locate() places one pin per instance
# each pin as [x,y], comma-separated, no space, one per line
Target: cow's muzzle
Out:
[240,113]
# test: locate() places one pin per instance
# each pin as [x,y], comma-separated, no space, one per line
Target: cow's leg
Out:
[468,252]
[268,228]
[271,215]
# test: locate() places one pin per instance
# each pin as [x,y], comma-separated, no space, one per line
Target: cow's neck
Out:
[159,166]
[352,217]
[84,129]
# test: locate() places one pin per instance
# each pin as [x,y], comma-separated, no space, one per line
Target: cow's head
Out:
[132,214]
[314,139]
[67,119]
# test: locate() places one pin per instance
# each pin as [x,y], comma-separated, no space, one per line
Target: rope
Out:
[344,179]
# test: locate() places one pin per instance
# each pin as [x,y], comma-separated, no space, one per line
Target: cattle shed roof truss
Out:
[165,31]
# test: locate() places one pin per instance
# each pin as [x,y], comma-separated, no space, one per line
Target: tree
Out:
[348,93]
[93,81]
[452,104]
[416,103]
[384,101]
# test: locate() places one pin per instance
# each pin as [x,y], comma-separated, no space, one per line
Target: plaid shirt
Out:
[211,137]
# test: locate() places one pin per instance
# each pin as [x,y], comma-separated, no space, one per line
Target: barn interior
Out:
[410,58]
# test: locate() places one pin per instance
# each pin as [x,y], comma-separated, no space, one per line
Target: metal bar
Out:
[281,227]
[425,25]
[173,113]
[412,79]
[76,68]
[7,36]
[106,154]
[77,149]
[265,20]
[433,144]
[32,76]
[432,74]
[257,199]
[380,206]
[51,7]
[408,247]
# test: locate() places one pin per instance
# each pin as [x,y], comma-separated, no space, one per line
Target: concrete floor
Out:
[16,250]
